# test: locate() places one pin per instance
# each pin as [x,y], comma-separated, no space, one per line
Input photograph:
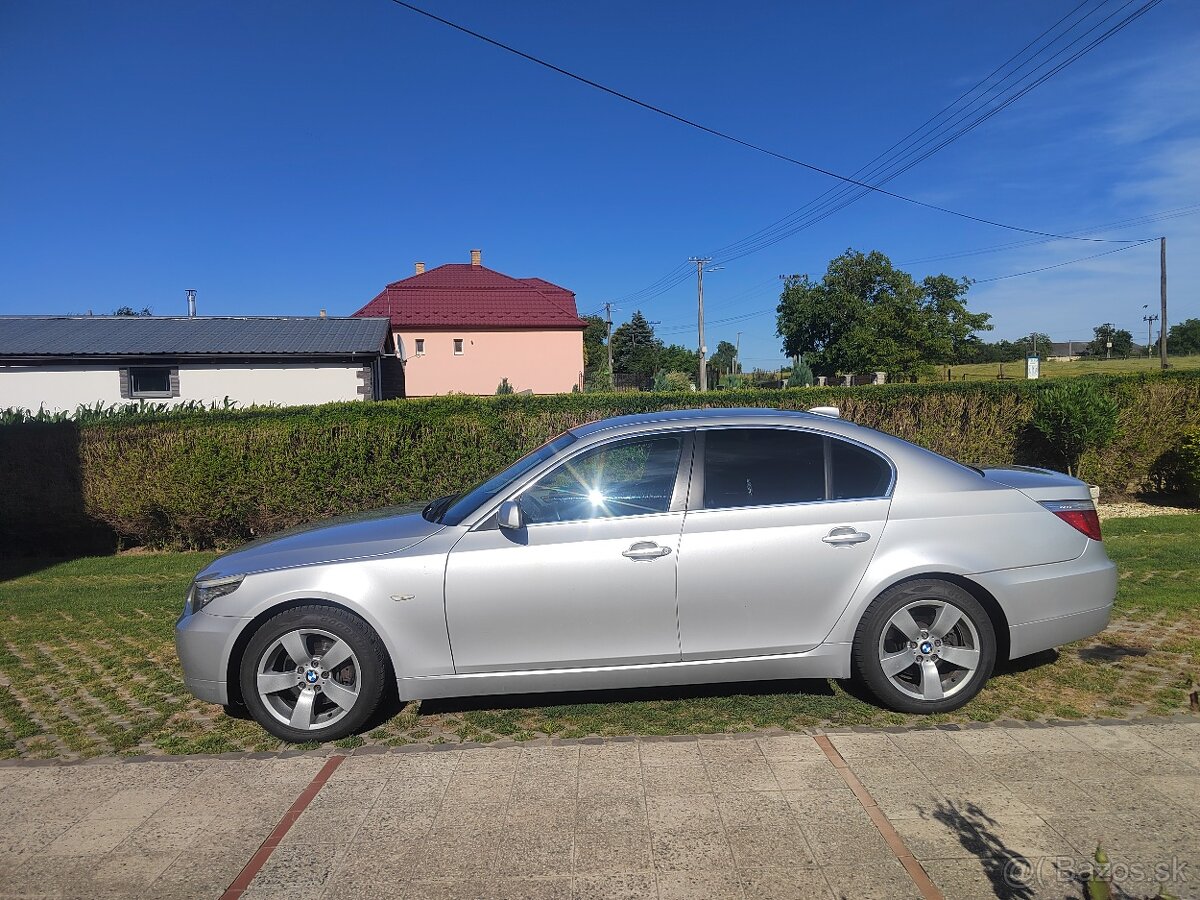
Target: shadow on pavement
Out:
[1006,870]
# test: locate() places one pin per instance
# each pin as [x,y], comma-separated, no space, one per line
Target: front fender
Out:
[399,597]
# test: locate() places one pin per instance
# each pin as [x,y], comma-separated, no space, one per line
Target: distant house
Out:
[1065,351]
[463,327]
[60,362]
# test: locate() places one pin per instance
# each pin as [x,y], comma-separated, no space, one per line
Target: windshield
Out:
[453,512]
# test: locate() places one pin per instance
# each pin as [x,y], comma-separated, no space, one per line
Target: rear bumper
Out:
[203,643]
[1051,605]
[1035,636]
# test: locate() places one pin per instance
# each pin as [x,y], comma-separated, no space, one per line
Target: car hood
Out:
[373,533]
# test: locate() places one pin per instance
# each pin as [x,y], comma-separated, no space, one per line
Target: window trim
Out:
[695,502]
[126,376]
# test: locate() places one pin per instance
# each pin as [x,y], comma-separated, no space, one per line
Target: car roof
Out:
[712,416]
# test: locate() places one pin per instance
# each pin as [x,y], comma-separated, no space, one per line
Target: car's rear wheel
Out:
[313,673]
[925,646]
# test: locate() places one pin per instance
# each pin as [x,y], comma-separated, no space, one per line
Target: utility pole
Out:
[1149,320]
[737,355]
[608,321]
[701,261]
[1162,289]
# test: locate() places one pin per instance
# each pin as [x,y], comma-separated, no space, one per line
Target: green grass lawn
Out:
[1053,369]
[87,667]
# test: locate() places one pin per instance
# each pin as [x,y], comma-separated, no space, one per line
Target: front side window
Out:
[762,467]
[458,508]
[420,342]
[150,381]
[627,478]
[458,346]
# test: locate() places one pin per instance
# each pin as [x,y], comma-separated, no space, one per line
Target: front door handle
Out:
[846,534]
[646,550]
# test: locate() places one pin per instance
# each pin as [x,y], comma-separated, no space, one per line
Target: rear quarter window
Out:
[857,473]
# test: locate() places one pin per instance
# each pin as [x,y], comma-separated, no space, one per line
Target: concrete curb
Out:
[509,743]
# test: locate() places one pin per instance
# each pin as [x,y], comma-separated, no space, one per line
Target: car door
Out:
[589,579]
[780,528]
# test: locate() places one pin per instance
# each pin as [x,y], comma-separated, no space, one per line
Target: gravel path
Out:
[1135,510]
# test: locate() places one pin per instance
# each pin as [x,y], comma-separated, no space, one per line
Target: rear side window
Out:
[762,466]
[856,472]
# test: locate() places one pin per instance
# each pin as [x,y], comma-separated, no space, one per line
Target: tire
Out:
[926,623]
[298,701]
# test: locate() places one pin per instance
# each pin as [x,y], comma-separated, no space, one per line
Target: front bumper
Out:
[204,643]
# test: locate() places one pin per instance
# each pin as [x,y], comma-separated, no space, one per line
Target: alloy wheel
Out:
[308,679]
[929,650]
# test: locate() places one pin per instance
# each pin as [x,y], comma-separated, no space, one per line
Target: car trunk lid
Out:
[1039,484]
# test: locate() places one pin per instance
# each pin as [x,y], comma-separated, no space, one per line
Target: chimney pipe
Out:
[477,257]
[191,300]
[420,268]
[322,313]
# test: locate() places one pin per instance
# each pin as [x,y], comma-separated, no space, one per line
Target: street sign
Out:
[1032,365]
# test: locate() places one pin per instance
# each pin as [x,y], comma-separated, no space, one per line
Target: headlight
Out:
[205,593]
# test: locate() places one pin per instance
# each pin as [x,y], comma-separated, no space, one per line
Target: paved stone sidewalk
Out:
[991,812]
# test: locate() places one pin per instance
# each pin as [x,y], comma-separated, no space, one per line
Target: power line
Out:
[1067,263]
[658,110]
[844,195]
[1147,219]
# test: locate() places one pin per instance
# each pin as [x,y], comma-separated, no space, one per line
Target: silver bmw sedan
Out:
[669,548]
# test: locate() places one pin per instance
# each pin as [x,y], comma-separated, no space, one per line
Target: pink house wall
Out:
[542,361]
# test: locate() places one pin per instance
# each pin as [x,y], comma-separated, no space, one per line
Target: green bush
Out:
[215,478]
[672,381]
[1076,416]
[802,376]
[1177,471]
[504,387]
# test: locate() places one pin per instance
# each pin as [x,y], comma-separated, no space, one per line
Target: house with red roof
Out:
[462,327]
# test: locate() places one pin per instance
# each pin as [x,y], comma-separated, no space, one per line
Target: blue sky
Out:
[284,157]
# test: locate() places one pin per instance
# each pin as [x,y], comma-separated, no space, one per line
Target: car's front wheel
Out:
[925,646]
[313,673]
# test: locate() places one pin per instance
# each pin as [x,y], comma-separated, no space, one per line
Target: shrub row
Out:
[217,478]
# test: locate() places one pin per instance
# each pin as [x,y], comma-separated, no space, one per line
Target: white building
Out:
[59,362]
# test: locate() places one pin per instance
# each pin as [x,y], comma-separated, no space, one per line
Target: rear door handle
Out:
[646,550]
[846,534]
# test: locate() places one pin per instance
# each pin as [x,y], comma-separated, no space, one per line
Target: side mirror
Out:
[509,515]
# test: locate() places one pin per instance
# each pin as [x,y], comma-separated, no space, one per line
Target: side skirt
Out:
[824,661]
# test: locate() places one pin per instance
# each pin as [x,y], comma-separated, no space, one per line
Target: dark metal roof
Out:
[74,336]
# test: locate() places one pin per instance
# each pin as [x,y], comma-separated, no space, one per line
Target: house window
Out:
[152,382]
[420,342]
[458,346]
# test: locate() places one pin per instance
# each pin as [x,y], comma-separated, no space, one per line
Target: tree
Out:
[1033,343]
[721,362]
[675,358]
[1122,340]
[1184,337]
[866,315]
[130,311]
[595,354]
[635,348]
[504,387]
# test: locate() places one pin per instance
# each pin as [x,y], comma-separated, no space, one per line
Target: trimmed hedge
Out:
[217,478]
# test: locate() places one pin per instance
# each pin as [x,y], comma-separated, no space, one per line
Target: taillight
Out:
[1079,514]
